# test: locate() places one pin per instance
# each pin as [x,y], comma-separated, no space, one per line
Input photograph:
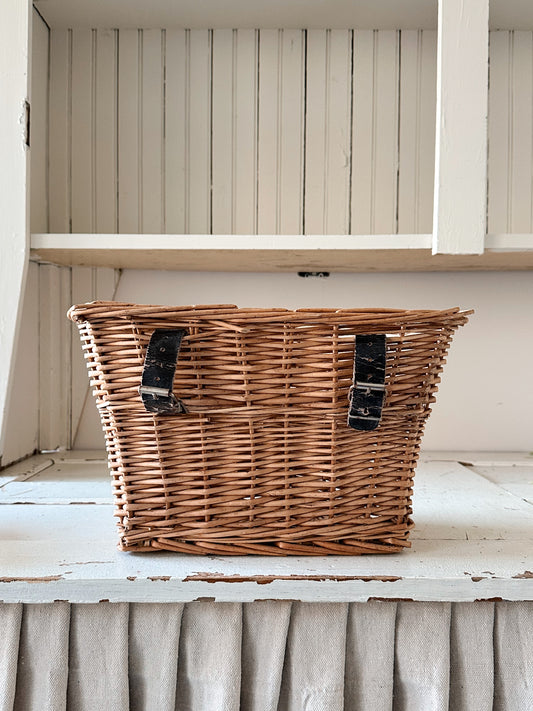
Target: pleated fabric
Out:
[43,657]
[10,624]
[267,656]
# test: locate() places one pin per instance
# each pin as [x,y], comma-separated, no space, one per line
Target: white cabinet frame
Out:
[460,194]
[15,32]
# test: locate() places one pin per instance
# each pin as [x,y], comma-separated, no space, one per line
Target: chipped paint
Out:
[159,577]
[391,599]
[526,575]
[477,578]
[47,579]
[267,579]
[489,599]
[87,562]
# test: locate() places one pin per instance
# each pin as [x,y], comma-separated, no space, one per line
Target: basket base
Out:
[278,548]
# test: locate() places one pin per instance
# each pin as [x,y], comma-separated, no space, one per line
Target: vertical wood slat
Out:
[244,187]
[316,129]
[128,132]
[223,148]
[426,128]
[328,131]
[268,132]
[416,130]
[408,148]
[510,177]
[385,132]
[88,284]
[362,218]
[54,357]
[39,125]
[198,133]
[339,87]
[151,132]
[175,127]
[499,132]
[290,132]
[83,279]
[105,149]
[280,132]
[83,144]
[522,120]
[59,128]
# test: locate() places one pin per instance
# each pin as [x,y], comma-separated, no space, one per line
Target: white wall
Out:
[485,401]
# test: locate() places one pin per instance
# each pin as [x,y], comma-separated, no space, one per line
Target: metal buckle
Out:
[360,385]
[157,392]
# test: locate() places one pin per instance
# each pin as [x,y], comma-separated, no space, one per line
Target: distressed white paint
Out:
[22,422]
[129,191]
[105,138]
[87,285]
[459,218]
[387,14]
[417,130]
[82,134]
[54,393]
[151,131]
[174,122]
[474,547]
[14,204]
[328,131]
[362,219]
[202,131]
[59,131]
[21,433]
[39,125]
[268,128]
[246,138]
[510,168]
[499,132]
[385,132]
[369,14]
[277,253]
[244,193]
[198,136]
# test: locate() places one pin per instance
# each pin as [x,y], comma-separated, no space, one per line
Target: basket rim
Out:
[104,310]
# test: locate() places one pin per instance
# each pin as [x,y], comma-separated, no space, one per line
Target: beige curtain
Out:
[267,656]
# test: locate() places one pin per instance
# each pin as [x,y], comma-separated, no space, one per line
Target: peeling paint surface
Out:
[266,579]
[473,540]
[44,579]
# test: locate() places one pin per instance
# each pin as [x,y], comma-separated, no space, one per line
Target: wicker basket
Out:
[250,450]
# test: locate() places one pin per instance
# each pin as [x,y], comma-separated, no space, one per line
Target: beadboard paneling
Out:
[241,131]
[510,166]
[269,131]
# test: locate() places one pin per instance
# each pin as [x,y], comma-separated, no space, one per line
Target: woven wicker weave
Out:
[264,461]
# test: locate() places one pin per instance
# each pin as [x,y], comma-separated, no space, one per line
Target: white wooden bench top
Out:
[473,540]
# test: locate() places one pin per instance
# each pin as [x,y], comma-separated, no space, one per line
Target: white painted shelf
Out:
[473,540]
[277,253]
[371,14]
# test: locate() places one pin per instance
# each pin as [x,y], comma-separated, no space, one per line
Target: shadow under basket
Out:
[263,431]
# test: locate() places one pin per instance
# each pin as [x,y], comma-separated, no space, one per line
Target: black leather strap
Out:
[368,391]
[158,373]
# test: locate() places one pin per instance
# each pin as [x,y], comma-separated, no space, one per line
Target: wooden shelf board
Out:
[359,14]
[473,540]
[370,14]
[276,253]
